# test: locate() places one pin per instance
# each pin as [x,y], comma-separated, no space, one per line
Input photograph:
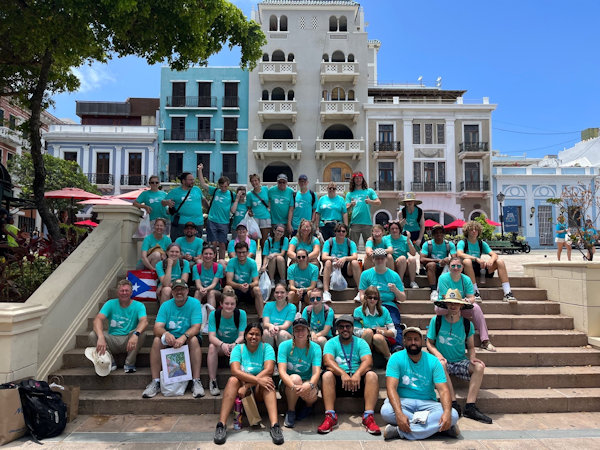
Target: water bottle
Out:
[482,273]
[237,414]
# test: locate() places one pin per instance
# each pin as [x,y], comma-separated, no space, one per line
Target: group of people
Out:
[587,237]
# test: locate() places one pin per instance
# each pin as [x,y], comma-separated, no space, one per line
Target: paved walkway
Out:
[509,431]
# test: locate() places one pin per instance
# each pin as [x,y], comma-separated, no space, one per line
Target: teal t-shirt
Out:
[227,331]
[361,212]
[304,205]
[416,380]
[251,246]
[150,241]
[354,351]
[299,361]
[399,245]
[242,273]
[176,271]
[253,202]
[252,363]
[191,211]
[220,208]
[331,208]
[303,245]
[239,214]
[380,280]
[382,244]
[275,246]
[121,321]
[561,230]
[281,202]
[362,320]
[450,341]
[332,248]
[153,200]
[411,222]
[193,248]
[464,285]
[207,276]
[473,249]
[318,321]
[178,319]
[277,317]
[302,278]
[438,250]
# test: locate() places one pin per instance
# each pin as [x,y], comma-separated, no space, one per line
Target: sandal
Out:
[487,345]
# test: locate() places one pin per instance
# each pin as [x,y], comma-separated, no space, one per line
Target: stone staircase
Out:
[542,364]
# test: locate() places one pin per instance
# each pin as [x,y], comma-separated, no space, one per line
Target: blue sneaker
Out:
[290,419]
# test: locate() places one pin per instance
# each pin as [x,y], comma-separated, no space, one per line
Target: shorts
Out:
[199,337]
[216,232]
[341,392]
[559,240]
[263,223]
[244,296]
[477,270]
[459,369]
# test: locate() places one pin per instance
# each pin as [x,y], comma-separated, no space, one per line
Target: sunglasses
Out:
[345,327]
[331,189]
[154,182]
[456,266]
[316,299]
[371,297]
[300,257]
[340,231]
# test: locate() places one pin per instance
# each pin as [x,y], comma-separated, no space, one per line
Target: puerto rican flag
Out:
[144,284]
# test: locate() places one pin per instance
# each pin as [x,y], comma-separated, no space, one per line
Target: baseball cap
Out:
[179,283]
[302,178]
[189,224]
[413,329]
[282,176]
[344,318]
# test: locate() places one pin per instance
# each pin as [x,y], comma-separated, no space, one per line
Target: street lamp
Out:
[500,197]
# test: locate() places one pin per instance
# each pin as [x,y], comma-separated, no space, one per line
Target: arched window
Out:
[278,55]
[265,57]
[283,23]
[333,24]
[325,57]
[265,95]
[351,95]
[273,23]
[338,56]
[343,24]
[278,131]
[338,94]
[350,57]
[290,95]
[278,94]
[325,95]
[291,57]
[382,217]
[338,131]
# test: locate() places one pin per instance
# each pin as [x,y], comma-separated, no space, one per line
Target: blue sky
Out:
[535,59]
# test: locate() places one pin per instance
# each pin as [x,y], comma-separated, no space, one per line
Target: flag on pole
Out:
[144,284]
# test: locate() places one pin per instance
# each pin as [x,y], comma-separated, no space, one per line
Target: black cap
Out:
[300,322]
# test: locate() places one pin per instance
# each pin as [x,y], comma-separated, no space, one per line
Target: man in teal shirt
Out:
[281,200]
[435,256]
[185,204]
[305,203]
[359,199]
[242,276]
[190,244]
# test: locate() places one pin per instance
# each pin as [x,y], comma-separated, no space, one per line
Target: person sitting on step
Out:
[154,246]
[305,239]
[207,276]
[242,236]
[403,253]
[190,244]
[274,253]
[319,316]
[174,267]
[377,240]
[435,256]
[302,278]
[374,323]
[278,316]
[339,252]
[242,276]
[446,340]
[471,250]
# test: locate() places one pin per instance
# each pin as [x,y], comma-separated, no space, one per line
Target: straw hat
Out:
[453,296]
[410,197]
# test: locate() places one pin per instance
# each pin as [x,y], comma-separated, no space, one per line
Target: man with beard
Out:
[411,408]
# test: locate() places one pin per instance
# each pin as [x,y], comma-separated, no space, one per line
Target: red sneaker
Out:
[328,424]
[370,425]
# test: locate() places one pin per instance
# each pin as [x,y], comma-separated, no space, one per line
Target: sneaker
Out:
[129,369]
[197,388]
[328,424]
[290,419]
[220,434]
[357,298]
[453,431]
[434,297]
[457,407]
[326,296]
[414,285]
[487,345]
[472,412]
[370,425]
[113,367]
[391,432]
[276,434]
[151,390]
[510,298]
[477,297]
[213,387]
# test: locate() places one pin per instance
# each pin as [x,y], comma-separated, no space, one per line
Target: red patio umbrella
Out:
[105,200]
[491,222]
[71,193]
[430,223]
[131,195]
[86,223]
[458,223]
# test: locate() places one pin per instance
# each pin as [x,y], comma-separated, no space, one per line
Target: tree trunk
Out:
[39,171]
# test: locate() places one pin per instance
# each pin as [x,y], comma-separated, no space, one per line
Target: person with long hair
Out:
[257,201]
[150,200]
[562,237]
[154,246]
[240,210]
[374,323]
[299,362]
[320,317]
[278,316]
[331,211]
[251,364]
[339,253]
[359,201]
[305,239]
[377,240]
[302,278]
[172,268]
[274,253]
[207,276]
[404,253]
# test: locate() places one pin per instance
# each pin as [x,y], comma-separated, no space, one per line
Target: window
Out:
[278,94]
[102,168]
[178,128]
[441,136]
[230,166]
[1,117]
[231,96]
[428,174]
[278,55]
[178,93]
[283,23]
[204,133]
[325,57]
[471,133]
[204,159]
[135,169]
[351,95]
[385,176]
[338,56]
[291,57]
[230,129]
[70,156]
[265,95]
[273,23]
[472,176]
[175,165]
[290,96]
[9,157]
[204,91]
[338,94]
[12,122]
[336,174]
[428,133]
[350,57]
[433,133]
[416,133]
[333,23]
[386,133]
[343,24]
[265,57]
[417,172]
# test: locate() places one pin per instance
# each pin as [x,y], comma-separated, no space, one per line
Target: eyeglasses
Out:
[241,252]
[372,297]
[300,257]
[345,327]
[331,189]
[316,299]
[282,182]
[456,266]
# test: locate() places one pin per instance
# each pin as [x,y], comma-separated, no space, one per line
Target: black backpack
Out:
[430,247]
[466,324]
[44,411]
[330,240]
[419,214]
[236,318]
[309,310]
[480,246]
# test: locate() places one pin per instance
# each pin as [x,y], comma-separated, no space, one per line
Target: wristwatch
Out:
[137,333]
[187,336]
[312,386]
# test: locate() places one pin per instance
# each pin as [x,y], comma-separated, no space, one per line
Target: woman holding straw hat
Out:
[411,217]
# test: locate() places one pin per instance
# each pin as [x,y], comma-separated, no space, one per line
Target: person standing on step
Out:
[177,324]
[299,362]
[240,210]
[257,202]
[207,276]
[348,361]
[377,240]
[242,276]
[389,288]
[331,211]
[471,251]
[225,330]
[374,323]
[305,204]
[302,278]
[403,253]
[411,409]
[278,316]
[411,218]
[185,204]
[359,200]
[190,244]
[154,246]
[251,364]
[446,340]
[305,239]
[127,322]
[151,199]
[339,253]
[274,253]
[562,237]
[172,268]
[281,200]
[435,255]
[223,204]
[319,317]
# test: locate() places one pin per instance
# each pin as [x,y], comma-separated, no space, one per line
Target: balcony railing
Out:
[387,185]
[279,147]
[417,186]
[385,146]
[190,135]
[341,187]
[231,102]
[339,71]
[277,109]
[100,178]
[229,135]
[334,110]
[233,176]
[478,186]
[340,147]
[133,180]
[11,137]
[277,71]
[473,147]
[191,102]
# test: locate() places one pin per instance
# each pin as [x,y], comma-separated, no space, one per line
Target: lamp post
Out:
[500,197]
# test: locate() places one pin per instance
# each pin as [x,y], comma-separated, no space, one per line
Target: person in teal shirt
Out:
[242,276]
[305,203]
[589,239]
[403,253]
[274,253]
[257,201]
[172,268]
[242,236]
[151,200]
[302,278]
[305,239]
[223,204]
[339,253]
[359,200]
[412,219]
[154,246]
[378,240]
[435,256]
[187,200]
[278,316]
[281,201]
[320,317]
[562,237]
[240,210]
[299,362]
[207,276]
[374,323]
[448,344]
[191,245]
[331,210]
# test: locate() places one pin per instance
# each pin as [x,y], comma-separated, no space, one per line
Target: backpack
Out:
[430,247]
[330,240]
[272,242]
[466,241]
[466,324]
[213,197]
[326,309]
[215,267]
[236,318]
[43,409]
[419,214]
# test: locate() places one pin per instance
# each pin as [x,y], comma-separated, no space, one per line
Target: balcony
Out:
[133,180]
[233,176]
[339,72]
[387,149]
[10,137]
[336,148]
[339,110]
[230,102]
[229,136]
[277,110]
[192,102]
[291,148]
[388,186]
[418,186]
[189,136]
[475,189]
[473,150]
[101,178]
[284,72]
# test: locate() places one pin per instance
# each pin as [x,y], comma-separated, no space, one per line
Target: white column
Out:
[85,159]
[151,161]
[450,154]
[408,154]
[118,169]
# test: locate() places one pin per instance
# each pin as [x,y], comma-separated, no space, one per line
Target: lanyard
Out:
[348,359]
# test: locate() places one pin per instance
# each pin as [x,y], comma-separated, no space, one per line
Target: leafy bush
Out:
[488,230]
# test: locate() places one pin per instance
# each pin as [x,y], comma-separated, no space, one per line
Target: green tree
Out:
[42,40]
[488,230]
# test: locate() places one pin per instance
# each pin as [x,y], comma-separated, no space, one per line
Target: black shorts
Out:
[244,297]
[477,270]
[341,392]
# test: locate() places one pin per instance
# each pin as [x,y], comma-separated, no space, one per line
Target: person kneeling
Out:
[449,348]
[251,365]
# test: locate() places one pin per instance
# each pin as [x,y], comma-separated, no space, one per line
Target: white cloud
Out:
[93,77]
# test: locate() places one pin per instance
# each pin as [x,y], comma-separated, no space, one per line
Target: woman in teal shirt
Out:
[207,276]
[373,323]
[257,201]
[278,316]
[562,237]
[274,253]
[305,239]
[331,210]
[377,240]
[169,270]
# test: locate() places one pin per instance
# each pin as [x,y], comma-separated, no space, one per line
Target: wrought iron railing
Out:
[387,185]
[100,178]
[385,146]
[474,186]
[418,186]
[189,135]
[231,102]
[133,180]
[473,147]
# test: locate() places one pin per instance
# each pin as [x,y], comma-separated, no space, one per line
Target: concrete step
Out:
[504,321]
